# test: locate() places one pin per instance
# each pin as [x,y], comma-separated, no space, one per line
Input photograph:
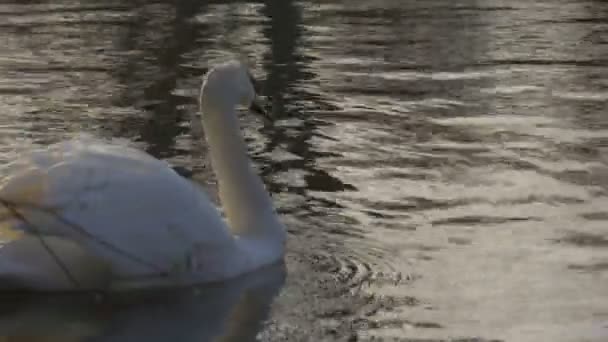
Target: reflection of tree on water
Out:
[155,48]
[285,69]
[157,42]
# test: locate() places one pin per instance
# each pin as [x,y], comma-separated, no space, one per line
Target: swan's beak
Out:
[257,107]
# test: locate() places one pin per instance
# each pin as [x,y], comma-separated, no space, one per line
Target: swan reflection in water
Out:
[233,310]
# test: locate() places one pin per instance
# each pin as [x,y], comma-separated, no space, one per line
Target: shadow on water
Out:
[228,311]
[286,69]
[152,69]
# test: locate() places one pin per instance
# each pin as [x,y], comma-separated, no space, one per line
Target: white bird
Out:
[92,215]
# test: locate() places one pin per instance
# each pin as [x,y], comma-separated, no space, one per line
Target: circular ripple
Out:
[351,286]
[370,265]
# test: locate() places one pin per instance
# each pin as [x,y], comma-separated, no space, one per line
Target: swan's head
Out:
[231,84]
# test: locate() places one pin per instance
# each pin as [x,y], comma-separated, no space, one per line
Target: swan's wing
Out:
[122,204]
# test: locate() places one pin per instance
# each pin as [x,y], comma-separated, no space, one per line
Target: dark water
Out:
[442,166]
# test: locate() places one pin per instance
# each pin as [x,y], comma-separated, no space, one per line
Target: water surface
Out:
[442,166]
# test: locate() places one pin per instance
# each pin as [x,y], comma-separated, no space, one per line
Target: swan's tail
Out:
[47,226]
[15,276]
[25,254]
[26,264]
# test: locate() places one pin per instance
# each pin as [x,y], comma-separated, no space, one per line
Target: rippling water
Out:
[442,166]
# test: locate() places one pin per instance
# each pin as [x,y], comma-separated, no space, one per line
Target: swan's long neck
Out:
[247,205]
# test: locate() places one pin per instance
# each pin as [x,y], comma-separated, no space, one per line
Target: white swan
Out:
[114,217]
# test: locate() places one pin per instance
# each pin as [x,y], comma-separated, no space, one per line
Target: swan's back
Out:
[121,204]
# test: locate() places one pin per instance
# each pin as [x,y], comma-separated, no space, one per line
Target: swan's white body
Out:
[119,210]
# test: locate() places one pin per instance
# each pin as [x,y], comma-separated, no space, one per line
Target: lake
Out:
[441,166]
